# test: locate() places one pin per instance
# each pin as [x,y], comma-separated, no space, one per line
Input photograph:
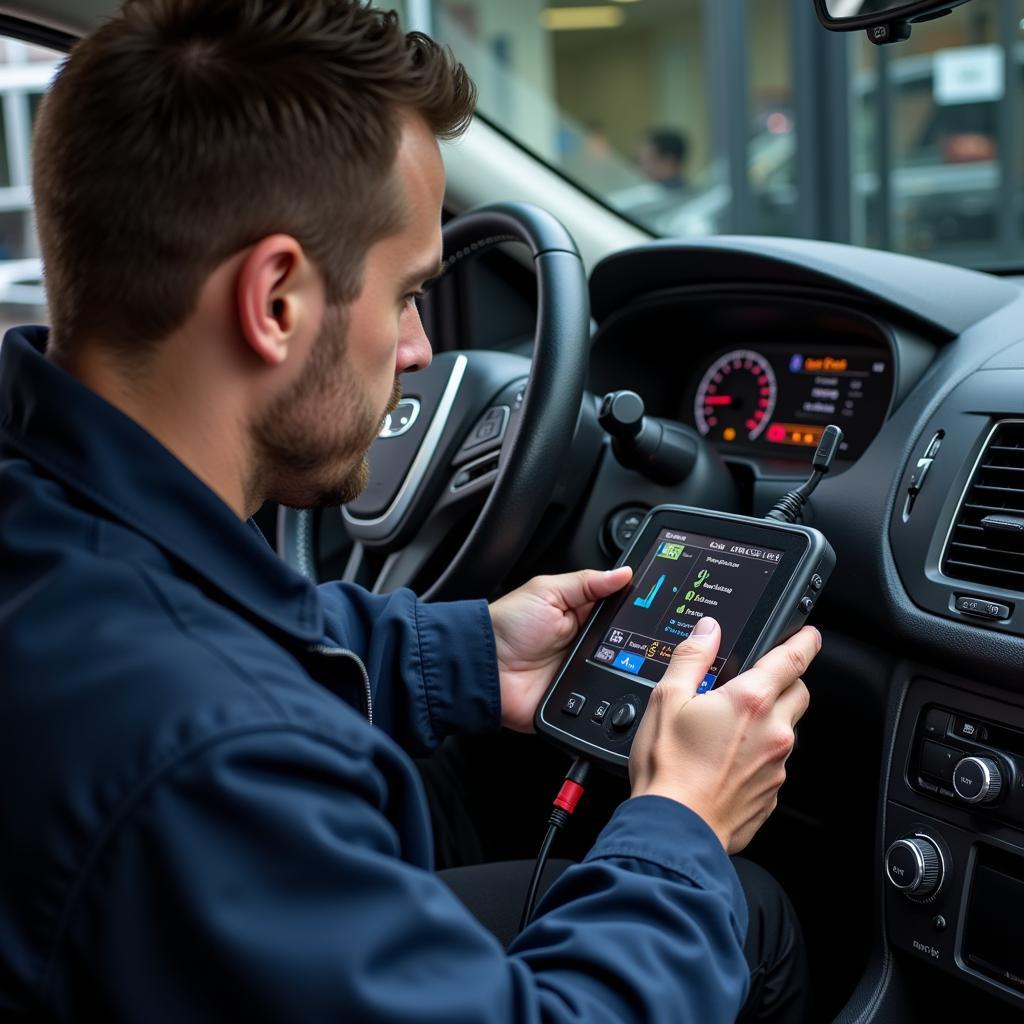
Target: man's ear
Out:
[279,296]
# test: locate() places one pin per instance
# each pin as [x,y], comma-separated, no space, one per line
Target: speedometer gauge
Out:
[736,397]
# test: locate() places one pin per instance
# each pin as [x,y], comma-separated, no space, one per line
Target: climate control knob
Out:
[913,865]
[978,780]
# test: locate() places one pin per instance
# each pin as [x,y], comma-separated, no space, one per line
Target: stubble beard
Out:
[311,445]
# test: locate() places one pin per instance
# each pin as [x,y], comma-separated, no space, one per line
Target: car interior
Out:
[899,835]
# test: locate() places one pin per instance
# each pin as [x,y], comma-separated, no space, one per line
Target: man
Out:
[238,201]
[663,158]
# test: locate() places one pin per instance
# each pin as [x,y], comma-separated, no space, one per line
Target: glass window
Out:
[685,115]
[25,73]
[947,86]
[927,139]
[771,150]
[611,94]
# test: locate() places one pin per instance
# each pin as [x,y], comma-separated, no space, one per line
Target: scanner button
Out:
[601,710]
[807,605]
[817,582]
[574,704]
[631,663]
[623,717]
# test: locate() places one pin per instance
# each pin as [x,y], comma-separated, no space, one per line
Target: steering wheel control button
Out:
[624,716]
[490,426]
[574,704]
[475,470]
[982,608]
[623,525]
[914,866]
[978,780]
[938,761]
[601,710]
[936,722]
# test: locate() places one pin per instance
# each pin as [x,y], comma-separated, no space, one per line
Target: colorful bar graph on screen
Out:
[646,602]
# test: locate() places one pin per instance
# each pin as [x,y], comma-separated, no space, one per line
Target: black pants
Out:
[488,799]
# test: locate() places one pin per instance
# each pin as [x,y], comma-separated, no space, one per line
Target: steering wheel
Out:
[474,423]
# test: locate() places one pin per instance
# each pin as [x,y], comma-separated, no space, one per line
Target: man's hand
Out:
[723,753]
[534,625]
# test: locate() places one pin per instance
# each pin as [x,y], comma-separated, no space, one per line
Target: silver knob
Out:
[978,780]
[913,865]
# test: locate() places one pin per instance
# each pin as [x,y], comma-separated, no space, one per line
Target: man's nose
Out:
[414,352]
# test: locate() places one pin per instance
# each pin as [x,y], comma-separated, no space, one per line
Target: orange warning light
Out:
[804,435]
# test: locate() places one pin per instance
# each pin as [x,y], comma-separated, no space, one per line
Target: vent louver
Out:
[987,542]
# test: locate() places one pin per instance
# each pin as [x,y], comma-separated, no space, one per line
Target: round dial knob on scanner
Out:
[978,780]
[914,865]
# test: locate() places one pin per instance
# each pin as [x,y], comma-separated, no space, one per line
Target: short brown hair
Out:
[182,131]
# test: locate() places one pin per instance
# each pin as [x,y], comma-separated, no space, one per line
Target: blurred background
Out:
[693,117]
[744,116]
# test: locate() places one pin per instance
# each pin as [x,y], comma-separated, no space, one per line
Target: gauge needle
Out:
[718,400]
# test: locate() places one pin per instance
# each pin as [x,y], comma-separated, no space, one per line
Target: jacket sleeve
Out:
[261,881]
[433,668]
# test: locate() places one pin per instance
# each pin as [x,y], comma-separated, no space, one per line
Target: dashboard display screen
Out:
[780,398]
[682,578]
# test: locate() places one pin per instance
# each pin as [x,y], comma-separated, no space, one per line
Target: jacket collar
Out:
[53,420]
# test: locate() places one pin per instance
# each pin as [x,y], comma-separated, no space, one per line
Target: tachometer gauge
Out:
[736,397]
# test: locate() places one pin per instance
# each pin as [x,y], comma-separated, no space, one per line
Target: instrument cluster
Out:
[780,396]
[757,375]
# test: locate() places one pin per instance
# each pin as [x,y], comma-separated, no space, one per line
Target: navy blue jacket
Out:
[199,821]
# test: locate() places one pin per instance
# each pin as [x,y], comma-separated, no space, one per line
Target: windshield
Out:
[694,117]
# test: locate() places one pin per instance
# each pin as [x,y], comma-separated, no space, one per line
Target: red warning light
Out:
[777,433]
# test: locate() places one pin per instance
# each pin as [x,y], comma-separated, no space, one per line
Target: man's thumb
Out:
[694,656]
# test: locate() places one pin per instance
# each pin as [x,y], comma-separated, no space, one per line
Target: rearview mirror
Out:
[885,21]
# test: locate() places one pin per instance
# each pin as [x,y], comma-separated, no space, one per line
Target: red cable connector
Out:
[569,796]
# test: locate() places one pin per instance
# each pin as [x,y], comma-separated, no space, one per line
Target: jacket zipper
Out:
[336,652]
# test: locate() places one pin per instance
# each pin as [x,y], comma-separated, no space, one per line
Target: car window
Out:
[693,117]
[25,72]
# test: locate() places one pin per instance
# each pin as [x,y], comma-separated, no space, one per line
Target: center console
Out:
[954,834]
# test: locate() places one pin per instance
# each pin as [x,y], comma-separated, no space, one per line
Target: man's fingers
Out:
[781,665]
[794,701]
[693,657]
[589,585]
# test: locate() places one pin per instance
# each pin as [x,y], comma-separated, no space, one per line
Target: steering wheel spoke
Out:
[383,569]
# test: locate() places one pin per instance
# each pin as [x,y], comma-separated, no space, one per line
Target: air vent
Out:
[987,542]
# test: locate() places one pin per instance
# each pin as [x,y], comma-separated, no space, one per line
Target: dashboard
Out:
[757,376]
[755,344]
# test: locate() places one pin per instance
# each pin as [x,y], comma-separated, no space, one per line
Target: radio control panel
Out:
[970,762]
